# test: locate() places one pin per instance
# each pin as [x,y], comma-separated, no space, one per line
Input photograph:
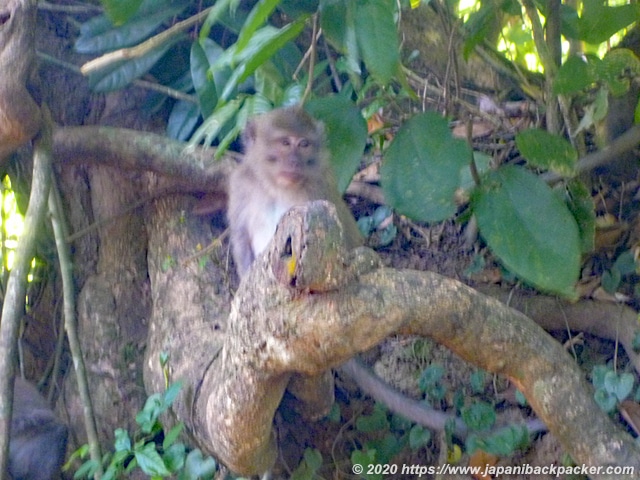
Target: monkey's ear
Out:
[249,133]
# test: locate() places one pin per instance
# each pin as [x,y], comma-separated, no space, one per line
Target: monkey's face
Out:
[291,160]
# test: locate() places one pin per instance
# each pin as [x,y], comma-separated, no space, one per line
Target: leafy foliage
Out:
[424,168]
[611,387]
[421,171]
[543,249]
[153,450]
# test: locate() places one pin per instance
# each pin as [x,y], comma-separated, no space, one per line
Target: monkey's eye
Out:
[285,142]
[304,143]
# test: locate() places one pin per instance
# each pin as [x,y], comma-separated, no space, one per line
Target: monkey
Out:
[38,440]
[286,164]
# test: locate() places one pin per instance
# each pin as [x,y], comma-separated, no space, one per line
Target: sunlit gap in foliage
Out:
[467,7]
[12,228]
[12,224]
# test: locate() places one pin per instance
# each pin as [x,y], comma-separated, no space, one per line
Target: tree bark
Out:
[308,305]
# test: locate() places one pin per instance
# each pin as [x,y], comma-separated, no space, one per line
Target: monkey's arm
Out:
[241,249]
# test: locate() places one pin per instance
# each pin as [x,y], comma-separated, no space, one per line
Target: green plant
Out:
[611,387]
[388,435]
[151,449]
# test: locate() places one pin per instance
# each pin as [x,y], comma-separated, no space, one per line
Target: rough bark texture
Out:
[343,303]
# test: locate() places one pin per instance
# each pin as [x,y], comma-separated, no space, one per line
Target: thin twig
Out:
[312,59]
[144,47]
[69,308]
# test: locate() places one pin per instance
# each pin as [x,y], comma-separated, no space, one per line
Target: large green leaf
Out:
[599,21]
[529,228]
[197,466]
[581,206]
[377,37]
[255,20]
[123,73]
[183,119]
[150,461]
[421,170]
[575,75]
[337,19]
[217,12]
[98,34]
[346,134]
[546,150]
[203,81]
[262,46]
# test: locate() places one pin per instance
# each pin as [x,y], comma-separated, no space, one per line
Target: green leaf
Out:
[338,22]
[150,461]
[174,457]
[203,80]
[421,170]
[419,437]
[346,132]
[611,280]
[197,467]
[211,127]
[119,11]
[625,263]
[295,8]
[477,381]
[262,46]
[479,416]
[365,459]
[183,119]
[87,469]
[171,394]
[529,228]
[171,436]
[100,36]
[581,206]
[605,400]
[599,22]
[574,75]
[619,385]
[377,421]
[430,376]
[336,17]
[122,441]
[255,20]
[308,467]
[123,73]
[521,399]
[153,408]
[503,442]
[546,150]
[598,374]
[386,447]
[217,11]
[479,26]
[377,38]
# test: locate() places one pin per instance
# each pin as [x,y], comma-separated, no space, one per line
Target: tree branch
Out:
[309,305]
